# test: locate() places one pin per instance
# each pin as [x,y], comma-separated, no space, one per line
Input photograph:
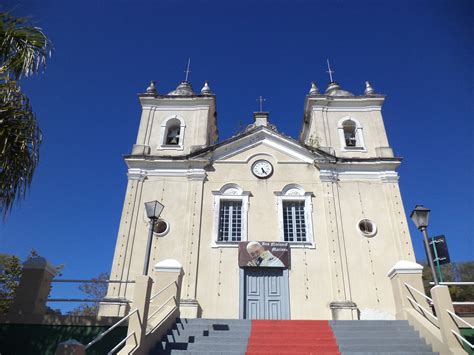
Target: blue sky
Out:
[418,53]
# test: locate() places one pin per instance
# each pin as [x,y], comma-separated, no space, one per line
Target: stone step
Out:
[221,327]
[381,333]
[212,320]
[206,352]
[387,342]
[216,340]
[382,322]
[388,353]
[293,352]
[183,333]
[217,347]
[385,348]
[294,348]
[196,338]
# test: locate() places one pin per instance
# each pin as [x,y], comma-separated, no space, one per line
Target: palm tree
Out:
[23,52]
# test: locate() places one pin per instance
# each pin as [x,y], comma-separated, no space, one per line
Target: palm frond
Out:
[20,138]
[23,48]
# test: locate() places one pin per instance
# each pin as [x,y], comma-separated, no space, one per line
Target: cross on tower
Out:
[187,71]
[329,71]
[261,100]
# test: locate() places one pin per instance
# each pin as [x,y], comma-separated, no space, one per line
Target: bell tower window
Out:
[349,128]
[350,134]
[172,133]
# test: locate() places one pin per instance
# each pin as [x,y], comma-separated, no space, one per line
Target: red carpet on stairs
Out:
[291,337]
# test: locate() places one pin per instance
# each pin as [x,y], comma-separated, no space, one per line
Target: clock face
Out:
[262,169]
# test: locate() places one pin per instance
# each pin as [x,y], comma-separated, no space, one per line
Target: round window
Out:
[367,228]
[161,228]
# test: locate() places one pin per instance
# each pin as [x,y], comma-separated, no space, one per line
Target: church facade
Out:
[266,226]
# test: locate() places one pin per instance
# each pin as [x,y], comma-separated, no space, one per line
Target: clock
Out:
[262,169]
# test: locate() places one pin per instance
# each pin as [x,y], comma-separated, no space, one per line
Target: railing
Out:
[156,311]
[162,290]
[94,281]
[459,336]
[92,300]
[104,333]
[426,310]
[146,322]
[453,315]
[458,283]
[116,347]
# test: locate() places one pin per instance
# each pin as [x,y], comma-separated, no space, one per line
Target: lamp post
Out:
[153,211]
[420,216]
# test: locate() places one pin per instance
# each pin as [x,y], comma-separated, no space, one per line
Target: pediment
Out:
[264,141]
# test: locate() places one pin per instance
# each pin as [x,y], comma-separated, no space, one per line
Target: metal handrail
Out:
[151,330]
[102,300]
[459,318]
[95,281]
[462,338]
[121,343]
[159,308]
[420,293]
[452,283]
[465,303]
[163,289]
[423,308]
[101,335]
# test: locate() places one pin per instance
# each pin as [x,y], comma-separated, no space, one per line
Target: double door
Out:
[265,293]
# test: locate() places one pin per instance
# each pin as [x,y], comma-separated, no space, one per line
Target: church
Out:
[265,226]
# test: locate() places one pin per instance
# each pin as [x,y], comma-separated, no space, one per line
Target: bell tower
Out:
[344,124]
[176,123]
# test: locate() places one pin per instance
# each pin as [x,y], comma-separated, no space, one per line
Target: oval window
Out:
[161,228]
[367,228]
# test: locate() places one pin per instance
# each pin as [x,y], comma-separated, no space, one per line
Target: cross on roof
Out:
[261,99]
[329,71]
[187,71]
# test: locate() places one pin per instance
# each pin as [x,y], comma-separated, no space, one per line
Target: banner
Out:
[264,254]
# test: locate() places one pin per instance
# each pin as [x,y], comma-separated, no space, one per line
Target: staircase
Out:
[268,337]
[372,337]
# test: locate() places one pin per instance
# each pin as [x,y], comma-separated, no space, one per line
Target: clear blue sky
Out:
[418,53]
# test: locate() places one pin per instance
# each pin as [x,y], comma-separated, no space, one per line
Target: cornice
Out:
[383,171]
[177,102]
[353,103]
[190,174]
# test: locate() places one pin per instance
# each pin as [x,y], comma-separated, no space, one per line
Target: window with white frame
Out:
[295,215]
[230,215]
[294,225]
[230,221]
[350,134]
[172,133]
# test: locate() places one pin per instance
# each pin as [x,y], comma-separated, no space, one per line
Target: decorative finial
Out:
[187,71]
[261,99]
[329,71]
[369,90]
[151,89]
[314,89]
[206,90]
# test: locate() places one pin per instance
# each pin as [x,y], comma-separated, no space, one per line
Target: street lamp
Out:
[420,216]
[153,211]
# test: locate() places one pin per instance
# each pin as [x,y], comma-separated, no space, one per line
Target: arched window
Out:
[349,128]
[172,133]
[230,215]
[350,134]
[295,215]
